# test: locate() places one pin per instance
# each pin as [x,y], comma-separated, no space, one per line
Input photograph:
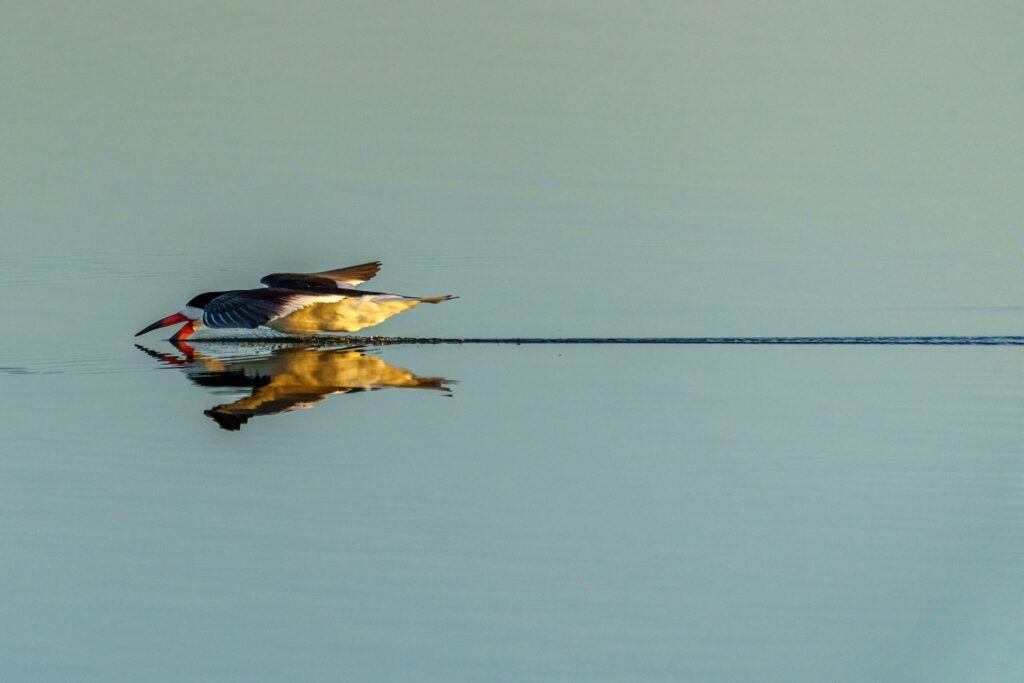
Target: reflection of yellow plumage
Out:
[304,373]
[292,378]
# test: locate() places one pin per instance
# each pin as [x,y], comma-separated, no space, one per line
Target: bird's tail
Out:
[437,299]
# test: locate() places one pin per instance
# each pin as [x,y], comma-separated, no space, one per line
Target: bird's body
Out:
[296,303]
[342,313]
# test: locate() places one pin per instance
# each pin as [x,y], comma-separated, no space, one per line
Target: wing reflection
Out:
[289,378]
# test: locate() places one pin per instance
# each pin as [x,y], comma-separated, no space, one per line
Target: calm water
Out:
[273,511]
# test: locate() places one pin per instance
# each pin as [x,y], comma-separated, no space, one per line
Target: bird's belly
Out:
[348,315]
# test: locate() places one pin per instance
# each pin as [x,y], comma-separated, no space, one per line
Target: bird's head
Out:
[192,312]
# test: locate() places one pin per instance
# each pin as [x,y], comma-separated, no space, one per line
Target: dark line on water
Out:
[820,341]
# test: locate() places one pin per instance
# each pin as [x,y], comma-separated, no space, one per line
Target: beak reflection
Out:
[282,379]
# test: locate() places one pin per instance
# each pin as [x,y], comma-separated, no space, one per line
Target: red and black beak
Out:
[164,322]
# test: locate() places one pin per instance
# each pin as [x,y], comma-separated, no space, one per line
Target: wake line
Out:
[866,341]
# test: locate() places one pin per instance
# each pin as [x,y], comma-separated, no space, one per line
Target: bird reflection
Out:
[289,378]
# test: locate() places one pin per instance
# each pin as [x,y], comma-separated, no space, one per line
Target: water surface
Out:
[713,512]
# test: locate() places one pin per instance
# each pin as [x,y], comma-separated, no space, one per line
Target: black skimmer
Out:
[292,378]
[296,303]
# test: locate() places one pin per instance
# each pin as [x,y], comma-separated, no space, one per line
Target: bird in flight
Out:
[296,303]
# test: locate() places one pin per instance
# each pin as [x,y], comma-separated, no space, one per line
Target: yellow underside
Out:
[347,315]
[305,376]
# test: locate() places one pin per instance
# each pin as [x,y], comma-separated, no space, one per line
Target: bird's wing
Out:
[341,278]
[250,308]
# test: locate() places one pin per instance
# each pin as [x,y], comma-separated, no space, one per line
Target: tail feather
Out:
[437,299]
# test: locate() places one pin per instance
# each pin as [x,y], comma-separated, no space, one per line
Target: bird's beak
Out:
[164,322]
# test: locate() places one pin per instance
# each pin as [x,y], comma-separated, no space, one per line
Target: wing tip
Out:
[352,275]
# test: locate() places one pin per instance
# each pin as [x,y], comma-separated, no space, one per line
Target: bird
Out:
[296,303]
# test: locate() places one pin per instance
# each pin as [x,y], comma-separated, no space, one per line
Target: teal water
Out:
[515,512]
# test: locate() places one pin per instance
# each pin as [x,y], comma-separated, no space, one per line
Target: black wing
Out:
[324,281]
[250,308]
